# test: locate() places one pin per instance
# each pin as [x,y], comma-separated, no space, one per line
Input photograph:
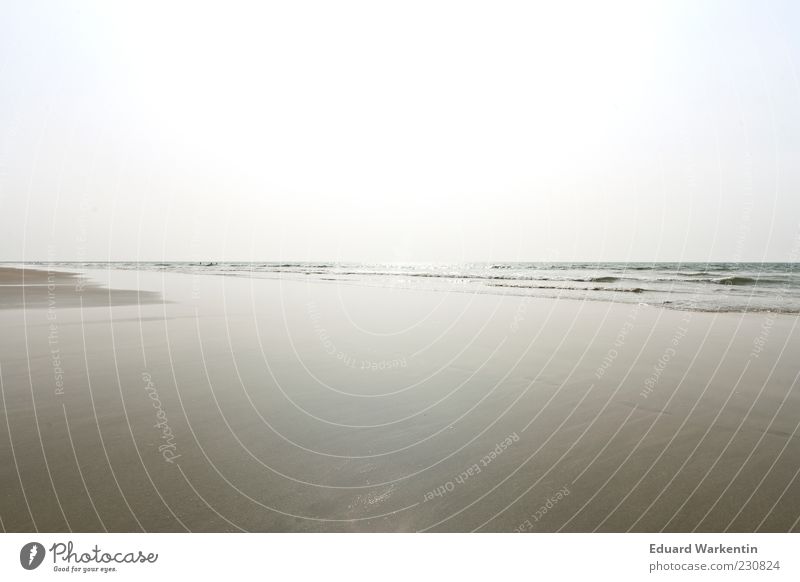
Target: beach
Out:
[155,401]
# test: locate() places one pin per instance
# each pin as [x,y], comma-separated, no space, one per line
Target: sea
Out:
[724,287]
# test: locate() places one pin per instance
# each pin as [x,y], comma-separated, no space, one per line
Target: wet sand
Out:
[35,288]
[207,403]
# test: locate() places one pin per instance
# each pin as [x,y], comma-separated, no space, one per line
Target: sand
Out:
[182,402]
[34,288]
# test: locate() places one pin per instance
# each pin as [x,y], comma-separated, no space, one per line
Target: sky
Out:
[400,131]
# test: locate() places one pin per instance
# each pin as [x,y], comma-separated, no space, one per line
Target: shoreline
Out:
[597,294]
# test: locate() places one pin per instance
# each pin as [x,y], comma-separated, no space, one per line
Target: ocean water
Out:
[730,287]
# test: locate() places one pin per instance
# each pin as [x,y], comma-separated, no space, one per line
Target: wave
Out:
[297,265]
[738,281]
[730,308]
[563,288]
[694,278]
[652,267]
[733,280]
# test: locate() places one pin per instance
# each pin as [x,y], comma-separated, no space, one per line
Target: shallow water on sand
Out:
[298,405]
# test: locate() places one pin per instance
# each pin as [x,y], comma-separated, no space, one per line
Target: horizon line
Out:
[308,261]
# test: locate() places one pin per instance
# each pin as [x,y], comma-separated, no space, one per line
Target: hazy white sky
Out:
[399,131]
